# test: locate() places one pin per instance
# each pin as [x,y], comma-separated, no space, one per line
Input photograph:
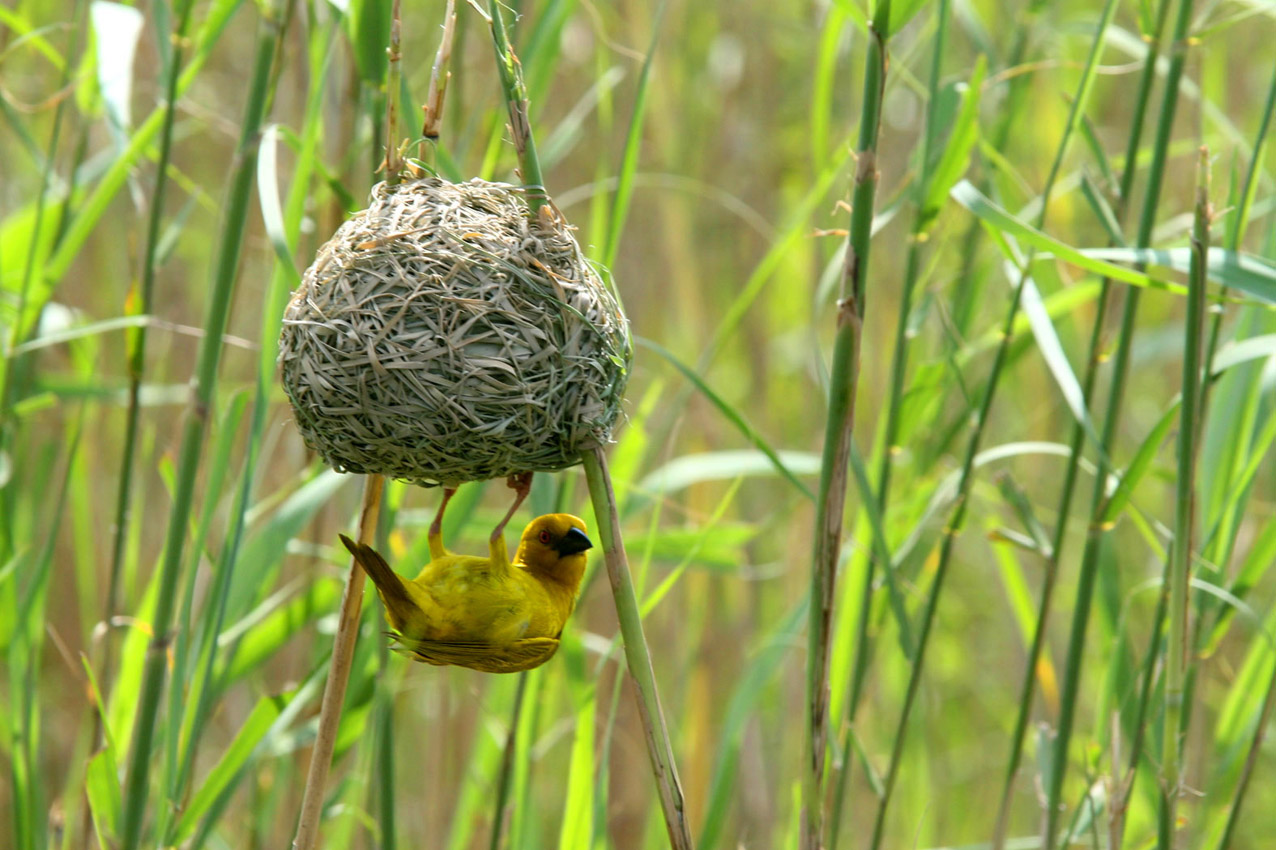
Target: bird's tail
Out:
[391,587]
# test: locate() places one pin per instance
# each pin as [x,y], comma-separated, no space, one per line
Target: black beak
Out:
[572,542]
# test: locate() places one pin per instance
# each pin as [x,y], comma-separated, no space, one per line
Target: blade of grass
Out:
[970,292]
[732,415]
[633,143]
[25,297]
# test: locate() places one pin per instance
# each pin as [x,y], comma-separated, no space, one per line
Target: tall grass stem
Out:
[515,89]
[136,355]
[1075,446]
[504,780]
[334,691]
[1235,236]
[638,656]
[1180,573]
[1116,395]
[830,505]
[203,389]
[956,522]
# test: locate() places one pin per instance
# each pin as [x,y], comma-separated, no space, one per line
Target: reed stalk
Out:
[1116,395]
[655,731]
[918,234]
[440,76]
[1076,441]
[506,774]
[137,351]
[1235,234]
[334,691]
[203,391]
[343,646]
[830,506]
[511,74]
[956,522]
[1180,572]
[637,655]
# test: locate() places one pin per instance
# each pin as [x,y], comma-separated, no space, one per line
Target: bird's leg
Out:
[521,484]
[436,528]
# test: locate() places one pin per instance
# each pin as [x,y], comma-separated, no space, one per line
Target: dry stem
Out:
[334,692]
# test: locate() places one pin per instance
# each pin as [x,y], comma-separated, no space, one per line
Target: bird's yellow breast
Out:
[463,598]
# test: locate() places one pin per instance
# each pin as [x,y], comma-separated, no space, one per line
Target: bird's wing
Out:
[508,658]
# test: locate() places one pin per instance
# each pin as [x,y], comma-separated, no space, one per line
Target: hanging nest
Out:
[444,335]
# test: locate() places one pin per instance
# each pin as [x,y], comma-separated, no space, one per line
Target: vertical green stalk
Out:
[137,343]
[347,634]
[1084,87]
[655,732]
[439,78]
[970,289]
[1093,360]
[507,765]
[8,370]
[1116,395]
[830,506]
[922,219]
[1235,235]
[1251,761]
[393,78]
[516,100]
[203,389]
[1180,573]
[384,754]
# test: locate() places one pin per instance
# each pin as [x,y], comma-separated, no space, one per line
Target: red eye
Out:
[544,536]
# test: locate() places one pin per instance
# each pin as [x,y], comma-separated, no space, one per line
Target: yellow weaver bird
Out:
[490,614]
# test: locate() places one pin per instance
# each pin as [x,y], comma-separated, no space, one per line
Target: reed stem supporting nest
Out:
[655,732]
[334,691]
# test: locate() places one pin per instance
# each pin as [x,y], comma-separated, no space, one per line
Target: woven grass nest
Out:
[444,335]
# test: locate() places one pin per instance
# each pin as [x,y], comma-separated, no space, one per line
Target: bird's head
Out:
[555,545]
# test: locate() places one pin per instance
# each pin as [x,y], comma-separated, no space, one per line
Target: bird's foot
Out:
[521,484]
[437,549]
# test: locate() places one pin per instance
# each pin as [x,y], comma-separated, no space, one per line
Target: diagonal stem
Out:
[334,691]
[655,732]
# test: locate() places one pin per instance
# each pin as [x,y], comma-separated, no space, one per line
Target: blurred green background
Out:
[704,151]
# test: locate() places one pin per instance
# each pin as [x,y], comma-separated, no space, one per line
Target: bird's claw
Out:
[521,484]
[437,550]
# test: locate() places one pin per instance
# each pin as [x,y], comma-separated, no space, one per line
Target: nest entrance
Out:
[442,335]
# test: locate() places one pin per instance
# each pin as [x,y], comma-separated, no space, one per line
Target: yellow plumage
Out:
[490,614]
